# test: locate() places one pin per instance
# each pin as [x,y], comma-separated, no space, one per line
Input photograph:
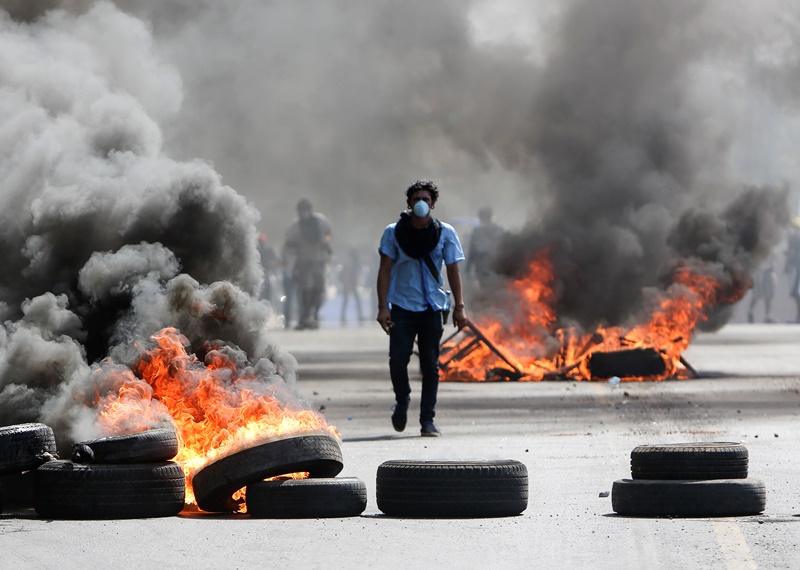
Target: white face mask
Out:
[421,209]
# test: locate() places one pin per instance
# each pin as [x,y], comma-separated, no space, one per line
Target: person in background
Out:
[792,267]
[351,279]
[411,298]
[270,262]
[482,246]
[765,281]
[306,254]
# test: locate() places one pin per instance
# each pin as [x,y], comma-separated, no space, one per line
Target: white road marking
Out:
[733,545]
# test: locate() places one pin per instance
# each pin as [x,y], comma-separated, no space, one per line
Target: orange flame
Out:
[525,337]
[216,407]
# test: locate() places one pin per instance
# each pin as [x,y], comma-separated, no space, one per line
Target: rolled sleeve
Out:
[452,251]
[388,245]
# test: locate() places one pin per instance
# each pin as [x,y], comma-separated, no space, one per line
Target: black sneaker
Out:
[399,417]
[429,429]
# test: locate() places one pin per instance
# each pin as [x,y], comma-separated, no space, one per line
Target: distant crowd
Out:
[304,275]
[766,284]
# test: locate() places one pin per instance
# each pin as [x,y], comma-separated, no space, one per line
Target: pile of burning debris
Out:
[640,363]
[522,338]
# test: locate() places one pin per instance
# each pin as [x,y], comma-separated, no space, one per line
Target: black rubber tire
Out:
[26,446]
[733,469]
[151,446]
[17,491]
[690,461]
[717,498]
[688,475]
[683,453]
[627,363]
[442,489]
[307,498]
[677,465]
[318,454]
[67,490]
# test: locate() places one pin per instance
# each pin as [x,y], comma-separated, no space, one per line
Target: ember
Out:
[217,406]
[530,346]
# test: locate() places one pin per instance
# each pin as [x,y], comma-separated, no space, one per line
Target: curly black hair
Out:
[423,185]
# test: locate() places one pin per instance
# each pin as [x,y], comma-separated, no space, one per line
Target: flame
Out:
[216,406]
[521,339]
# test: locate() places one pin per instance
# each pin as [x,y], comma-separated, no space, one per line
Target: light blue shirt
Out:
[412,286]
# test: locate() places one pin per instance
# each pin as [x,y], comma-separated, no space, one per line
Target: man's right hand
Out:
[385,319]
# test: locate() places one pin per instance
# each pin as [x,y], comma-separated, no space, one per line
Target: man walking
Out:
[411,298]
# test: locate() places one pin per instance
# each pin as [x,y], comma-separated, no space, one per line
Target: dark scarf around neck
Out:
[416,242]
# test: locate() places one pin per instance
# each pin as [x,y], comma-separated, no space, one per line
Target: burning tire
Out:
[25,446]
[632,363]
[452,488]
[214,485]
[307,498]
[67,490]
[151,446]
[705,460]
[717,498]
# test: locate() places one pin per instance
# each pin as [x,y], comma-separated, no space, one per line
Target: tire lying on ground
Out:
[307,498]
[692,461]
[452,488]
[67,490]
[214,484]
[700,472]
[17,491]
[25,446]
[150,446]
[715,498]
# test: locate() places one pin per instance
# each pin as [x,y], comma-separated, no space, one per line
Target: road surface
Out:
[574,437]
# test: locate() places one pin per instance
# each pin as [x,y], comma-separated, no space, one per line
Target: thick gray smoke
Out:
[348,104]
[636,161]
[602,131]
[615,132]
[105,239]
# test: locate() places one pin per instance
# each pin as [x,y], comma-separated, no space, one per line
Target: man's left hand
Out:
[460,318]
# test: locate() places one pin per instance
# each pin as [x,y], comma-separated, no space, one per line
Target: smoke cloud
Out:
[636,160]
[145,144]
[105,239]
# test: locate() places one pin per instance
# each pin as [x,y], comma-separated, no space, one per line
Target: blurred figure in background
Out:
[351,281]
[792,267]
[270,261]
[482,246]
[306,254]
[765,282]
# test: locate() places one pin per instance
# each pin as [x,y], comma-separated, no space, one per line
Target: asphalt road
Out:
[574,437]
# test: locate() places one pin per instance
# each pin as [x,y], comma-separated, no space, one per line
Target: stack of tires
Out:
[24,447]
[321,495]
[127,476]
[708,479]
[452,489]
